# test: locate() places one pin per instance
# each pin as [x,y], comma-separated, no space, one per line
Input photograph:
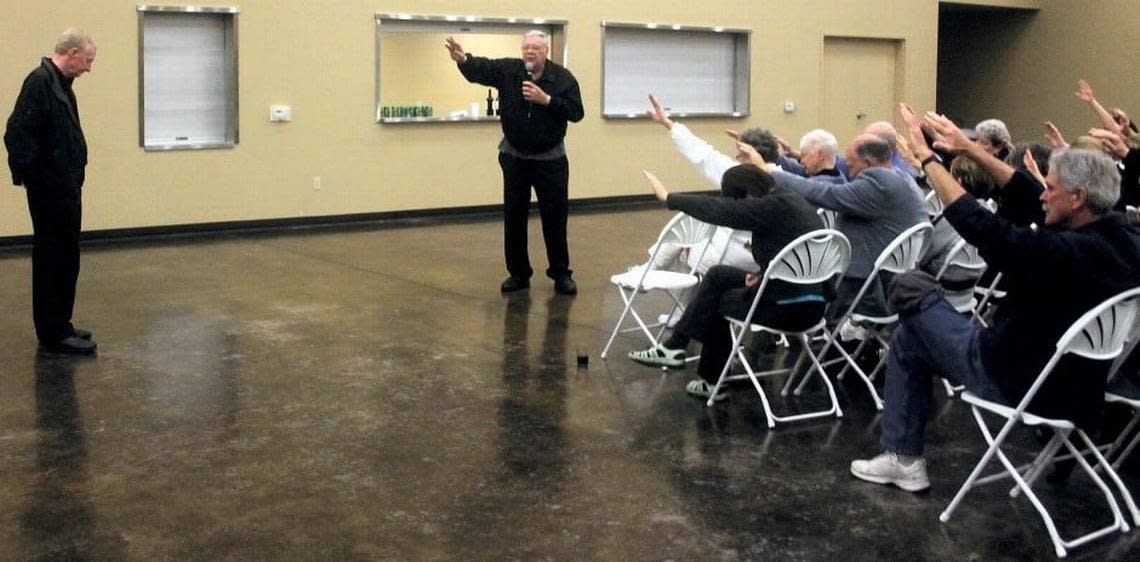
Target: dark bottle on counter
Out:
[490,104]
[496,103]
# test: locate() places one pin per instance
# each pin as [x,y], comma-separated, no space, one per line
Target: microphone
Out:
[529,76]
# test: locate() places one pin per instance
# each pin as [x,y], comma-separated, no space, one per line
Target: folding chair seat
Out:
[816,257]
[682,231]
[1099,334]
[900,256]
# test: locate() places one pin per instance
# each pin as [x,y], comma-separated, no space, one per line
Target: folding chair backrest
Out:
[934,206]
[1100,334]
[814,257]
[686,231]
[962,255]
[903,253]
[682,231]
[827,216]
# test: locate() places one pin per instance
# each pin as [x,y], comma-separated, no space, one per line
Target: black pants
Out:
[550,179]
[55,259]
[722,292]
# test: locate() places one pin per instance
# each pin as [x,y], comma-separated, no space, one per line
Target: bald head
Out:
[867,151]
[884,130]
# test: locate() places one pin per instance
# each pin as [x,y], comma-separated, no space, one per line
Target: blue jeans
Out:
[937,341]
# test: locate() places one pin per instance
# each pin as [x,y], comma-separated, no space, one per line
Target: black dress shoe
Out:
[565,286]
[82,334]
[512,284]
[70,345]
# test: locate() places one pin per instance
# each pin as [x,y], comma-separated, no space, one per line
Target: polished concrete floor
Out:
[369,395]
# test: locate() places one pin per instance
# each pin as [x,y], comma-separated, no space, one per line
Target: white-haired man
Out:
[47,154]
[537,98]
[1084,254]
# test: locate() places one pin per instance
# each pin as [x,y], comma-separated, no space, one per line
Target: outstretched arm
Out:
[1085,94]
[944,184]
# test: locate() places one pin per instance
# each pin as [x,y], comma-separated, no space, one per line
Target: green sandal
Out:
[703,390]
[660,356]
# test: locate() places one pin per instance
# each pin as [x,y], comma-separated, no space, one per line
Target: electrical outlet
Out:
[316,183]
[789,106]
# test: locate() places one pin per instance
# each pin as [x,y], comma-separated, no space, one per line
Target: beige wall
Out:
[1024,68]
[413,69]
[318,57]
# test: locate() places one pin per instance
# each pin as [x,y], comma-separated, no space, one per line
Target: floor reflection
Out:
[58,517]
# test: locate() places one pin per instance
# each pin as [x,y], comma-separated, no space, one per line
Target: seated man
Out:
[775,216]
[876,206]
[1084,254]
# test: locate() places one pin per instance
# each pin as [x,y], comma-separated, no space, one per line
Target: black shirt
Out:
[530,128]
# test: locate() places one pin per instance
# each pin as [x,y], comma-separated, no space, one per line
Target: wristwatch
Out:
[929,159]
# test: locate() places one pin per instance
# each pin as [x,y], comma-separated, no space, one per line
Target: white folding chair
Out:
[828,217]
[1099,334]
[901,255]
[934,206]
[988,296]
[1125,392]
[962,255]
[816,257]
[681,231]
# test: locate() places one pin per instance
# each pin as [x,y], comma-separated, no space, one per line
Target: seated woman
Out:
[775,216]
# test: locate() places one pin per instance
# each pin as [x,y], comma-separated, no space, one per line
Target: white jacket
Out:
[712,165]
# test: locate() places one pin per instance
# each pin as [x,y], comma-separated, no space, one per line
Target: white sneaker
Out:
[670,320]
[886,469]
[851,332]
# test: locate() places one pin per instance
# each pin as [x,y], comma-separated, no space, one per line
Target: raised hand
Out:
[657,114]
[1031,165]
[1085,92]
[786,148]
[1112,141]
[658,187]
[746,154]
[1053,136]
[733,134]
[918,144]
[455,50]
[950,137]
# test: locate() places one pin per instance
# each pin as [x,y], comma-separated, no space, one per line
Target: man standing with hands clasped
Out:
[537,98]
[47,155]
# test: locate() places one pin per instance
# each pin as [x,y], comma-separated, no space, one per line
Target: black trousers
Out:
[722,292]
[550,179]
[56,217]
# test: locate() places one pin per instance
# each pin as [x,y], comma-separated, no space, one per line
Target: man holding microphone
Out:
[537,98]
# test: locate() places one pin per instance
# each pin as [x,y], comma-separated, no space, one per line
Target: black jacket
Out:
[774,220]
[530,128]
[46,148]
[1053,277]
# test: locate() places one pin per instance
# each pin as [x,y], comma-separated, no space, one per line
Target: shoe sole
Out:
[885,481]
[658,362]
